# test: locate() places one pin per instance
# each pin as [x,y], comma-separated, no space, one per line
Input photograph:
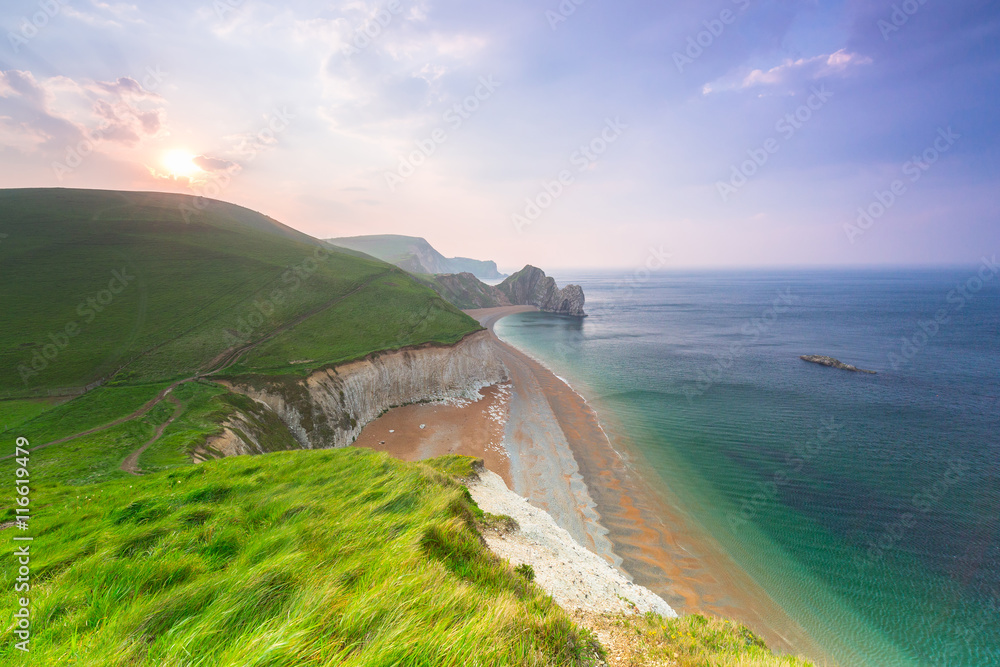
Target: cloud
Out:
[14,83]
[213,163]
[24,104]
[19,135]
[812,68]
[120,106]
[126,123]
[124,87]
[66,111]
[792,74]
[390,73]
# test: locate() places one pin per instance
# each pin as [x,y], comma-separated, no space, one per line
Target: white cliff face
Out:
[330,407]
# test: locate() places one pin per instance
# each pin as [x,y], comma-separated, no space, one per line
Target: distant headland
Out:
[416,255]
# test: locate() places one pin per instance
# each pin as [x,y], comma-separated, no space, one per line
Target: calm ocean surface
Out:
[867,506]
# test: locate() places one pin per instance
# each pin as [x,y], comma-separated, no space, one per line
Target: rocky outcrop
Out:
[329,408]
[528,287]
[833,363]
[531,287]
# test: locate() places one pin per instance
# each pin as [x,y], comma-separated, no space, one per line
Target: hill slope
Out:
[342,557]
[416,255]
[145,287]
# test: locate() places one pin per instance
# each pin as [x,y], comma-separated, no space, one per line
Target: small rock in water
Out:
[833,363]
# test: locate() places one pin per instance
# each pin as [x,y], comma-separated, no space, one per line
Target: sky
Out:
[562,133]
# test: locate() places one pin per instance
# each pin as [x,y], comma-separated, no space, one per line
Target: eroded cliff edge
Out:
[329,408]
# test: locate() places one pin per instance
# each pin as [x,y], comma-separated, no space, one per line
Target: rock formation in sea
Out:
[531,287]
[833,363]
[528,287]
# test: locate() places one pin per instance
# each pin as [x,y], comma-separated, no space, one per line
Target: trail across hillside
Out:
[152,403]
[131,463]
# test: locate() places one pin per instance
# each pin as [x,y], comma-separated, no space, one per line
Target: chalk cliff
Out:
[329,407]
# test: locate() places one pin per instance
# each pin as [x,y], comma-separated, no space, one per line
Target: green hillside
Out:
[465,290]
[343,557]
[131,288]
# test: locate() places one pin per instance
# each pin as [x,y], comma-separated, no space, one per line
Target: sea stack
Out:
[530,286]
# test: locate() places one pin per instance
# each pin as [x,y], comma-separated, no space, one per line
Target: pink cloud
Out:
[15,83]
[66,110]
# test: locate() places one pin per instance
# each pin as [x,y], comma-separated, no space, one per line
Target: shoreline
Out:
[578,579]
[561,459]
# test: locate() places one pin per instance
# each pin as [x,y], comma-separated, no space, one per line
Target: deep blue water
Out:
[868,506]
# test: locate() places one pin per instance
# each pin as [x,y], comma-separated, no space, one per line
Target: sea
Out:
[867,506]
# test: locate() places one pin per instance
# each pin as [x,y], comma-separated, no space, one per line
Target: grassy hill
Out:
[343,557]
[133,288]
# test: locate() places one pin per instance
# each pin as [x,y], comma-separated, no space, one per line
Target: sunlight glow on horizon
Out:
[180,163]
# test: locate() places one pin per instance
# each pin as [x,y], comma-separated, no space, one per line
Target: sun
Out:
[180,164]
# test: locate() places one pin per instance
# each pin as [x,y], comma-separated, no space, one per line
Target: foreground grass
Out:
[342,557]
[688,641]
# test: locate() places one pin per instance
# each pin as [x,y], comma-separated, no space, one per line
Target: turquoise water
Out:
[867,506]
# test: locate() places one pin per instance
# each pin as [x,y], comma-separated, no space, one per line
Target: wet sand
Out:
[561,460]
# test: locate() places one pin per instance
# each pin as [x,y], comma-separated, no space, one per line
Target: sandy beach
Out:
[548,445]
[454,427]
